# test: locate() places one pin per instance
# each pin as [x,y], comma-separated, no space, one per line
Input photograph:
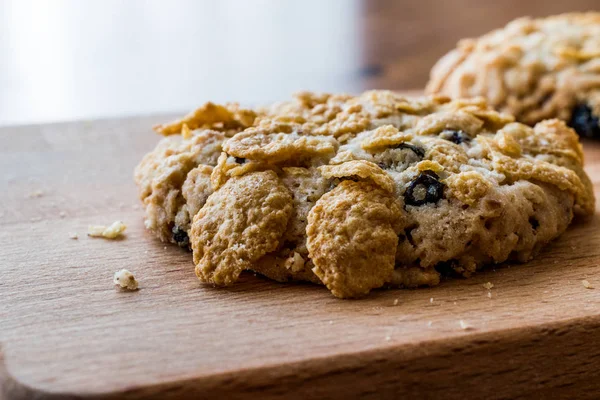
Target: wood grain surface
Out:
[65,330]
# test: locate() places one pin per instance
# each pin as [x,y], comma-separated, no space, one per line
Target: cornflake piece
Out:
[586,284]
[125,280]
[488,285]
[465,326]
[112,232]
[73,235]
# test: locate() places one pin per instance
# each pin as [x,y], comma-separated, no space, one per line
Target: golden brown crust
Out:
[352,236]
[240,223]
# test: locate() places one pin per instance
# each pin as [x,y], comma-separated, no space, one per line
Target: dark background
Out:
[69,59]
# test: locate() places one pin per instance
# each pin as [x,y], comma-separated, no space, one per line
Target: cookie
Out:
[534,69]
[362,192]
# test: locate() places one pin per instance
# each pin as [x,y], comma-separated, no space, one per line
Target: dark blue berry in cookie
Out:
[454,136]
[417,150]
[584,122]
[425,188]
[181,237]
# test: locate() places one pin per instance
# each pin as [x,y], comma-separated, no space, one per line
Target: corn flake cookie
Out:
[361,192]
[534,69]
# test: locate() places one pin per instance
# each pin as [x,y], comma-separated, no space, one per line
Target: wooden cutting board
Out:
[66,331]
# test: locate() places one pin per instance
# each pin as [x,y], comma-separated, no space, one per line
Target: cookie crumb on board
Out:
[586,284]
[396,302]
[62,214]
[465,326]
[125,280]
[111,232]
[73,235]
[488,285]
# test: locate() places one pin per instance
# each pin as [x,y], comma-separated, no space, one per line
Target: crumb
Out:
[62,214]
[586,284]
[454,303]
[164,248]
[429,323]
[125,280]
[36,194]
[488,285]
[465,326]
[330,322]
[573,248]
[388,338]
[489,295]
[111,232]
[73,235]
[185,132]
[396,302]
[431,300]
[35,219]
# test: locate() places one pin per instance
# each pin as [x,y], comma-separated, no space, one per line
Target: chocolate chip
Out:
[181,237]
[584,122]
[454,136]
[240,160]
[415,149]
[425,188]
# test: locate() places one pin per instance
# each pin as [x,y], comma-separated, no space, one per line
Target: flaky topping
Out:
[394,132]
[360,169]
[211,116]
[352,237]
[532,68]
[238,225]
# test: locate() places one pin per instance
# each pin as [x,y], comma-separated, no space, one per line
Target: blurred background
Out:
[68,59]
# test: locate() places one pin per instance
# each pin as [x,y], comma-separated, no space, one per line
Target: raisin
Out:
[584,122]
[457,137]
[425,188]
[181,237]
[417,150]
[240,160]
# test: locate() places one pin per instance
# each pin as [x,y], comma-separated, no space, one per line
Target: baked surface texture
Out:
[361,192]
[534,69]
